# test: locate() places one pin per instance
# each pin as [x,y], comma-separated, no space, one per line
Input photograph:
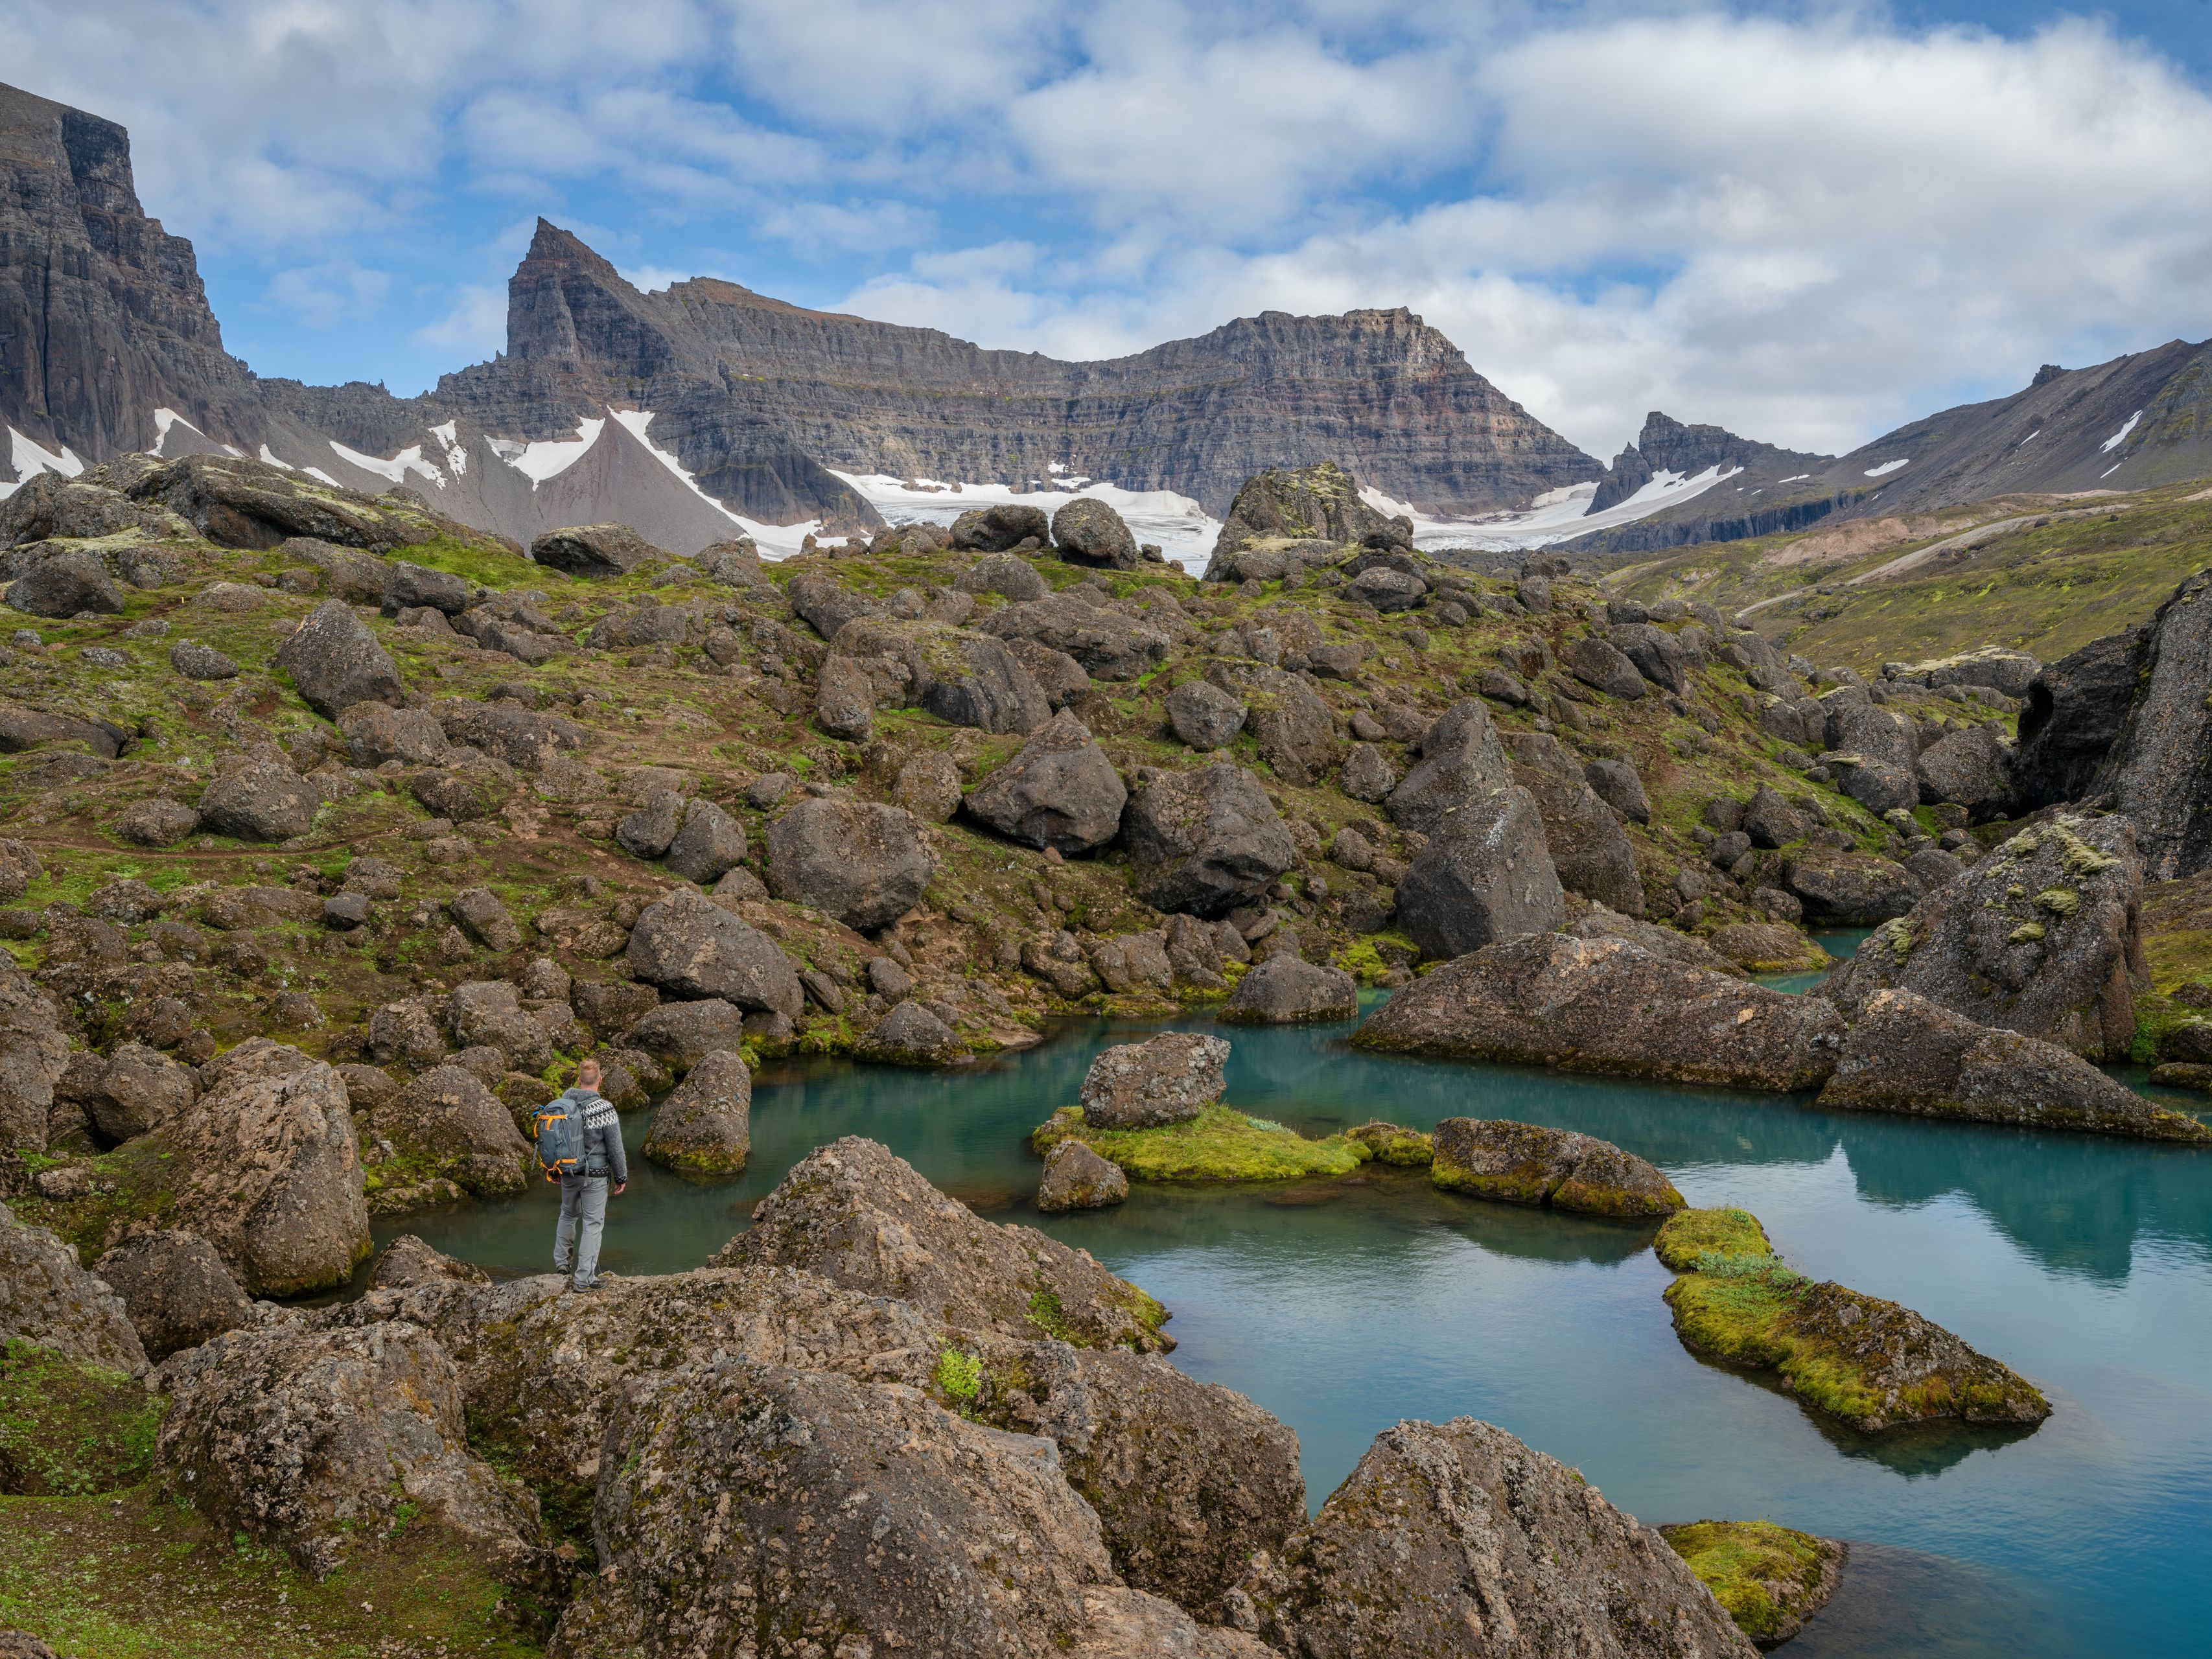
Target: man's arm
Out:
[617,1160]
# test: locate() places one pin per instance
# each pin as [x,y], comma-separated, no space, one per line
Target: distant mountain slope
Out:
[2134,423]
[107,344]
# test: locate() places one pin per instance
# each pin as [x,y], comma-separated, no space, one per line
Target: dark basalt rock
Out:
[910,1036]
[1077,1178]
[1457,1539]
[597,551]
[866,865]
[449,1124]
[1318,503]
[1109,645]
[411,586]
[1588,849]
[1485,875]
[63,583]
[996,529]
[260,800]
[1598,664]
[2043,936]
[1086,530]
[1203,716]
[1905,1053]
[1461,761]
[692,948]
[1004,574]
[1552,1000]
[1849,888]
[1205,842]
[1059,791]
[1528,1164]
[704,1125]
[335,662]
[25,729]
[1286,989]
[2070,730]
[1969,766]
[1286,718]
[1168,1078]
[177,1290]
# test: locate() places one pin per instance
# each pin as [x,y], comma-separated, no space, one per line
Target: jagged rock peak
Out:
[1666,444]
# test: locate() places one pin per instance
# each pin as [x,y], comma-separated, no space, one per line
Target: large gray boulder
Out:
[1588,849]
[525,738]
[1602,1005]
[34,1054]
[1456,1539]
[709,845]
[844,699]
[46,1297]
[1845,887]
[335,662]
[1009,577]
[1970,767]
[1060,791]
[1461,761]
[704,1125]
[1295,731]
[2077,709]
[2044,935]
[138,1088]
[865,864]
[1077,1178]
[593,551]
[1485,875]
[692,948]
[1168,1078]
[958,675]
[1205,842]
[1598,664]
[2156,772]
[410,587]
[1879,786]
[447,1124]
[680,1035]
[63,583]
[488,1013]
[260,800]
[375,733]
[1515,1163]
[1203,716]
[176,1290]
[1088,532]
[1658,656]
[318,1444]
[1286,989]
[996,529]
[1317,503]
[265,1168]
[1907,1055]
[861,1217]
[1110,646]
[930,1534]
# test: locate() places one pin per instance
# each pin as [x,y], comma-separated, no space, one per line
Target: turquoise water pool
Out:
[1344,1306]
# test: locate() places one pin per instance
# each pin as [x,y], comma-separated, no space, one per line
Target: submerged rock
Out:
[1456,1538]
[863,1218]
[1603,1005]
[1529,1163]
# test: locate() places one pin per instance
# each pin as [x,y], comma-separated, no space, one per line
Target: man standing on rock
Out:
[584,1193]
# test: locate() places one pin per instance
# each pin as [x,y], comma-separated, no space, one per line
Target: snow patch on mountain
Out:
[548,457]
[28,456]
[2119,437]
[1887,467]
[408,460]
[1558,515]
[1178,526]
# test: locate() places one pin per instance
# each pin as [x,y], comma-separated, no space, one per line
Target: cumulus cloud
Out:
[1807,225]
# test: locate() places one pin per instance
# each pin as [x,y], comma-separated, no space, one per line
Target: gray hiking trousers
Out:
[583,1218]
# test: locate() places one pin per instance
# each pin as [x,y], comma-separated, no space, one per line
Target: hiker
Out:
[580,1146]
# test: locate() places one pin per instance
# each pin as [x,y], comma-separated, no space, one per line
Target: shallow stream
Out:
[1343,1307]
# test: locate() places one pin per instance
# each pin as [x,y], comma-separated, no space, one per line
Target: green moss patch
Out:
[1688,1239]
[1220,1144]
[67,1428]
[1768,1578]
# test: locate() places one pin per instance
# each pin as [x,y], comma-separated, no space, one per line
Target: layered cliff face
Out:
[102,316]
[756,396]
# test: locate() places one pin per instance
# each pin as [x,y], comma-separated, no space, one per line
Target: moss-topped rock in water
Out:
[1529,1163]
[1769,1579]
[1870,1363]
[1393,1144]
[1220,1144]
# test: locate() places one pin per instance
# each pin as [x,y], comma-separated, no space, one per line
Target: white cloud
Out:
[326,295]
[473,327]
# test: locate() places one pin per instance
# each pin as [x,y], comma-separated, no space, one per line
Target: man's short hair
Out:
[590,1067]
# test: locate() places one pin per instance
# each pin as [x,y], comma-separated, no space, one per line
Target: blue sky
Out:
[1809,222]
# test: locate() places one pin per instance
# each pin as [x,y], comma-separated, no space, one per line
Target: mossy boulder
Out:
[1769,1579]
[1870,1363]
[1220,1144]
[1393,1144]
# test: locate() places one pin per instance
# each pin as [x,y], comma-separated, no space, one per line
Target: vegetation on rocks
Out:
[1868,1361]
[1220,1144]
[1770,1579]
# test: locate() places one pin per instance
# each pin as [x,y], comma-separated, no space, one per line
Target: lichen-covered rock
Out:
[1602,1005]
[929,1533]
[266,1169]
[1588,847]
[1109,645]
[1905,1054]
[928,786]
[1970,767]
[446,1123]
[593,551]
[1127,1624]
[650,830]
[313,1442]
[1060,790]
[1529,1163]
[488,1014]
[680,1035]
[1168,1078]
[863,1218]
[1456,1538]
[691,947]
[844,699]
[1134,963]
[46,1297]
[1001,573]
[335,662]
[1485,875]
[375,733]
[1600,923]
[958,675]
[704,1125]
[995,529]
[1600,666]
[158,822]
[485,918]
[909,1035]
[1077,1178]
[260,800]
[1320,503]
[407,1262]
[1286,717]
[865,864]
[1205,842]
[1203,716]
[1189,1480]
[65,582]
[1286,989]
[33,1053]
[1461,761]
[1769,1579]
[176,1290]
[710,844]
[2043,936]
